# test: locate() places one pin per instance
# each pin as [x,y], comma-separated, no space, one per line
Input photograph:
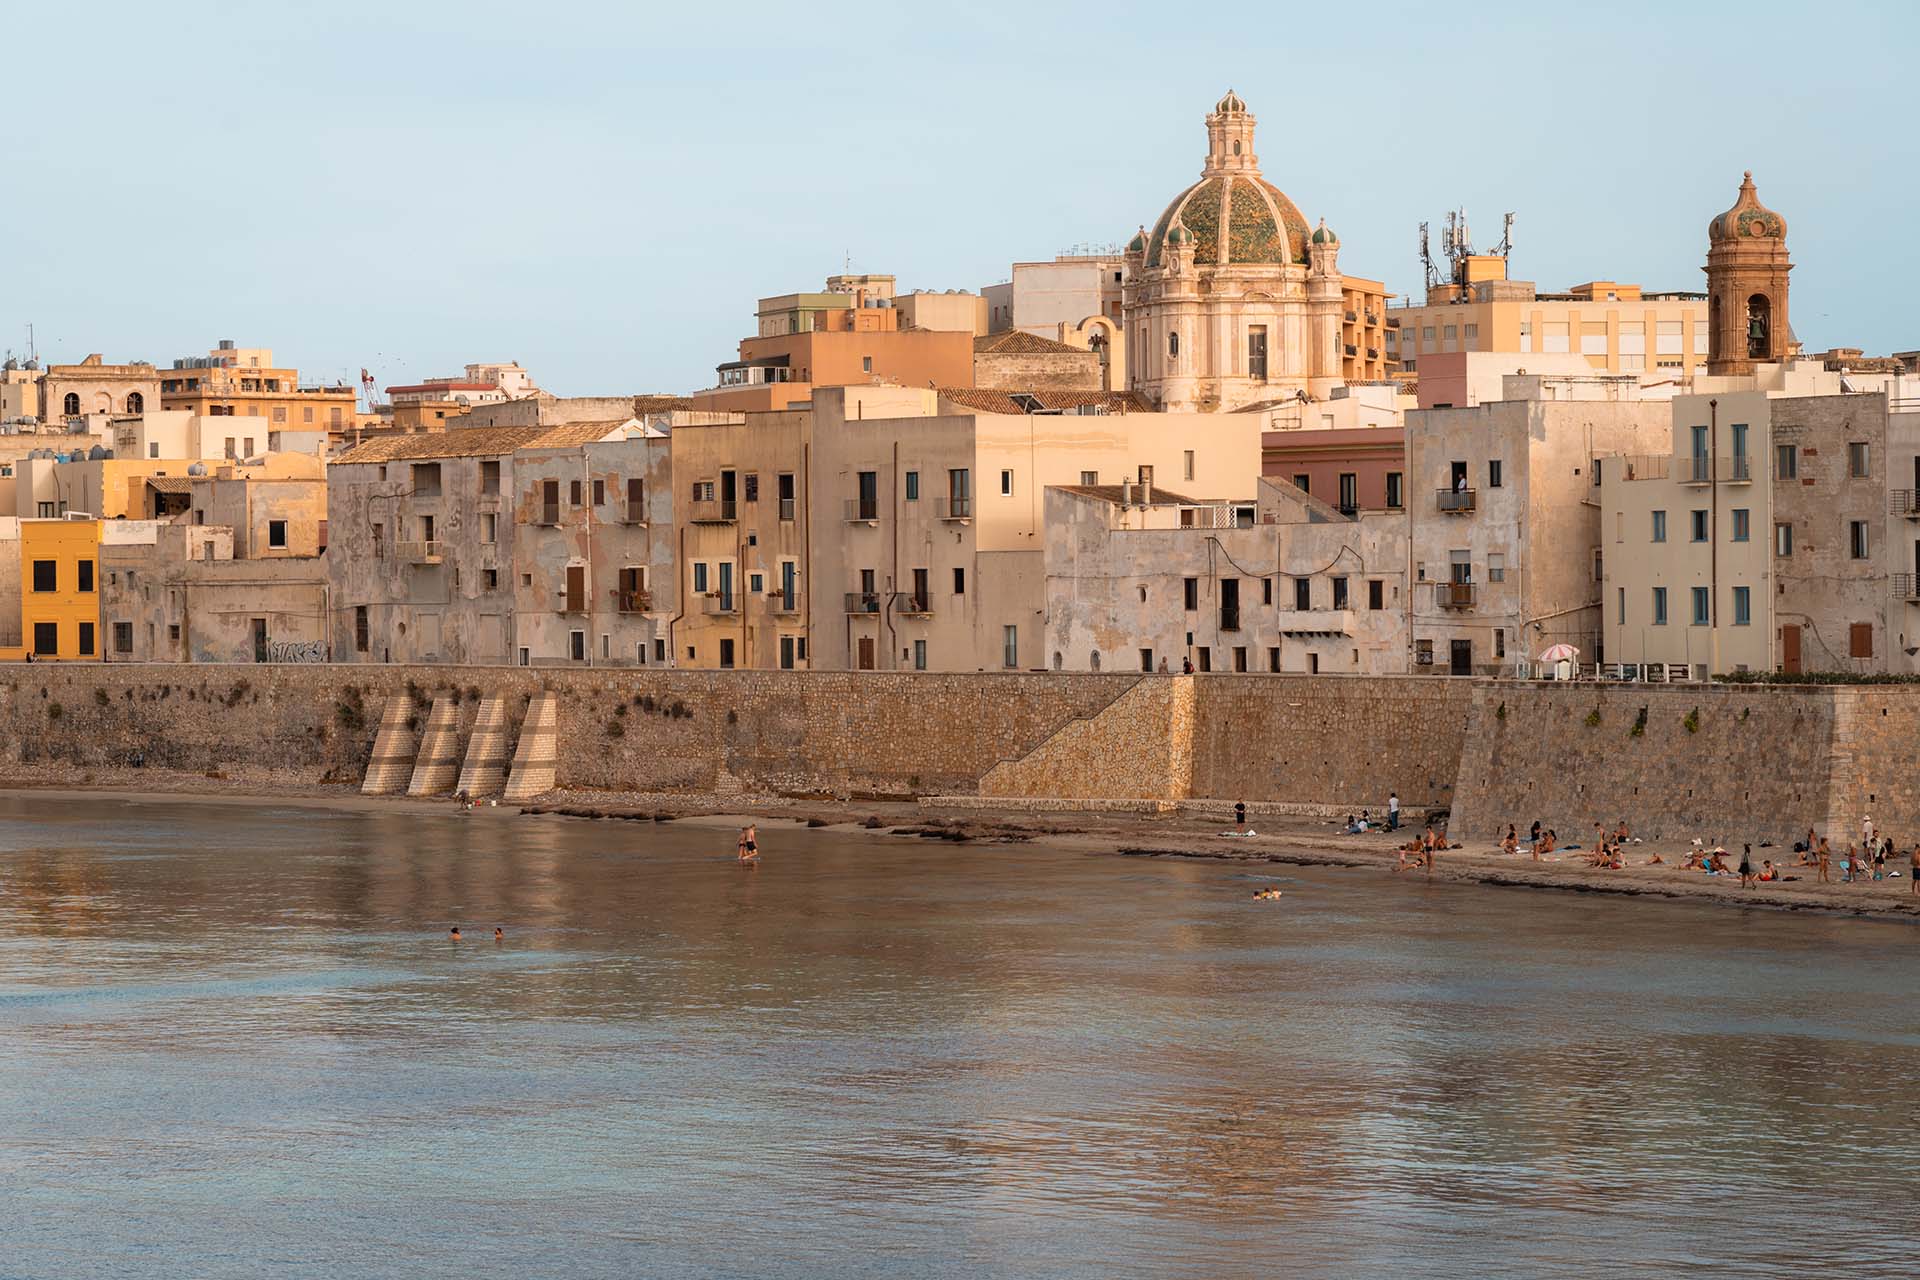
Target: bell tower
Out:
[1230,139]
[1746,269]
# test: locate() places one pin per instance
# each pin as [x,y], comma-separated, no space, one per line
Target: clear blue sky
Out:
[602,190]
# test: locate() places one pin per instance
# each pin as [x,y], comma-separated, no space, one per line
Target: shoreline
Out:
[1188,835]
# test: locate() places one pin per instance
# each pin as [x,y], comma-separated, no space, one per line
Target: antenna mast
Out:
[1426,260]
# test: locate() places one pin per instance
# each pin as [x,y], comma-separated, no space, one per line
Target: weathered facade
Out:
[173,591]
[1147,580]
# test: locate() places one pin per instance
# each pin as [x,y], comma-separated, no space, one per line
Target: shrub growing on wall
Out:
[1692,721]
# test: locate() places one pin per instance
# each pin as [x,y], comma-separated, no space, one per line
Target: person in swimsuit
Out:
[1913,863]
[454,933]
[1746,866]
[749,843]
[497,935]
[1823,859]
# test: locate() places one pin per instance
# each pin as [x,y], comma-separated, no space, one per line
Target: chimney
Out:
[1146,485]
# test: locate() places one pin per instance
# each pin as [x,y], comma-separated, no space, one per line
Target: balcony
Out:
[1352,316]
[632,601]
[419,552]
[1373,317]
[548,515]
[863,602]
[1737,469]
[1904,502]
[1906,586]
[1314,622]
[863,511]
[908,605]
[958,509]
[718,605]
[1453,595]
[712,511]
[1458,501]
[784,605]
[1373,353]
[1351,349]
[1393,322]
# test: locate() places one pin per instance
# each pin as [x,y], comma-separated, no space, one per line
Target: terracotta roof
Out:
[1041,401]
[475,442]
[1018,342]
[170,484]
[1161,497]
[662,404]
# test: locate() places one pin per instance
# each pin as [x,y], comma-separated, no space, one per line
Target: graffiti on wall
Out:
[310,651]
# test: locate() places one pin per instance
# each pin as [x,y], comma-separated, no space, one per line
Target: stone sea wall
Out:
[1722,762]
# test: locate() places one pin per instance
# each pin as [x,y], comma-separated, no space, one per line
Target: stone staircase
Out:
[485,761]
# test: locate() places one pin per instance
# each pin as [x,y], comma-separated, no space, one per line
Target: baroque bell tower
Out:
[1746,269]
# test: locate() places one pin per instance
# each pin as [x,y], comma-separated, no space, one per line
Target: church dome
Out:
[1139,242]
[1231,104]
[1748,219]
[1252,217]
[1323,234]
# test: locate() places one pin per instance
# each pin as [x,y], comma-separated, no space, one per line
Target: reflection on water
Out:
[235,1042]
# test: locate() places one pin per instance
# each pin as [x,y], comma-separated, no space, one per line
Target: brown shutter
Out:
[1861,640]
[576,588]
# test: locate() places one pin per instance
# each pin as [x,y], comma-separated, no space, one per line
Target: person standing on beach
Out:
[1822,858]
[1866,831]
[1393,810]
[1746,866]
[1913,867]
[1239,815]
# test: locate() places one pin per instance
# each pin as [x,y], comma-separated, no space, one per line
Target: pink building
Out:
[1354,468]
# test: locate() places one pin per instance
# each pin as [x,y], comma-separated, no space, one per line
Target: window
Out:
[1659,526]
[1239,657]
[1742,524]
[489,528]
[1273,659]
[1860,640]
[785,490]
[1496,566]
[1146,660]
[1699,606]
[756,583]
[1472,331]
[86,575]
[700,577]
[1349,491]
[1186,464]
[1699,516]
[1493,473]
[750,487]
[1010,647]
[913,486]
[1006,484]
[919,655]
[1858,460]
[959,581]
[1205,654]
[1394,502]
[46,635]
[71,407]
[1304,483]
[123,637]
[86,639]
[577,645]
[866,364]
[1659,606]
[1499,642]
[46,576]
[276,533]
[153,449]
[1173,353]
[1257,352]
[1303,593]
[1266,591]
[1192,586]
[1376,594]
[1786,461]
[1089,478]
[573,493]
[1857,539]
[489,579]
[1742,606]
[1340,593]
[1783,539]
[600,499]
[1622,615]
[137,403]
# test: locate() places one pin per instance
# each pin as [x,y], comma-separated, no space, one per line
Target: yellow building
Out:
[239,382]
[1619,328]
[60,589]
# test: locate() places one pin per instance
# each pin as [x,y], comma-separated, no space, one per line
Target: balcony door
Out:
[726,586]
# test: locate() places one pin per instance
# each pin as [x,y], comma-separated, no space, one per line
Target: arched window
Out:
[1236,148]
[71,405]
[136,403]
[1759,327]
[1096,659]
[1173,346]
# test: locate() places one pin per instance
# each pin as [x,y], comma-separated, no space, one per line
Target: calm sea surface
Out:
[237,1042]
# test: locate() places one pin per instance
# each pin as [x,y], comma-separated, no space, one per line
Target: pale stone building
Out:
[1504,507]
[69,391]
[173,591]
[1143,579]
[927,513]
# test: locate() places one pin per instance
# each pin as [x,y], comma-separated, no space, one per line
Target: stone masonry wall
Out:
[1338,740]
[1758,766]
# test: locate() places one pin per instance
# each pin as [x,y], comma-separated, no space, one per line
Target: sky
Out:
[602,190]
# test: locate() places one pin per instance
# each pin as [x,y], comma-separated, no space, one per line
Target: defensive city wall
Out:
[1728,762]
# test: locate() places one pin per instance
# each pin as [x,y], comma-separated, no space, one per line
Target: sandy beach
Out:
[1197,831]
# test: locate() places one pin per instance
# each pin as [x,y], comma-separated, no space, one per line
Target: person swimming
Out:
[454,933]
[497,935]
[1266,893]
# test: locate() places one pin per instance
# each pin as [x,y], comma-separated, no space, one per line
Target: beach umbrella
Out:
[1560,653]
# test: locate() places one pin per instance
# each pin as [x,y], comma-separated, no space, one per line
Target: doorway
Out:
[1460,653]
[866,653]
[259,639]
[1790,650]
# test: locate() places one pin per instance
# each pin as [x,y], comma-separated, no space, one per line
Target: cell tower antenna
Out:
[1426,259]
[1505,248]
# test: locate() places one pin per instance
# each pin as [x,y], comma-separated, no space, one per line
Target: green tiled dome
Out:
[1260,224]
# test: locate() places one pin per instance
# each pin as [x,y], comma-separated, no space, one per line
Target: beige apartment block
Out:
[927,519]
[1615,328]
[19,391]
[1780,533]
[1139,578]
[1505,515]
[741,527]
[243,382]
[69,391]
[424,545]
[595,539]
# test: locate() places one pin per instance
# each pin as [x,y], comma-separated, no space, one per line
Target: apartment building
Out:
[175,591]
[1778,534]
[1504,506]
[496,545]
[243,382]
[741,528]
[1140,578]
[928,510]
[58,590]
